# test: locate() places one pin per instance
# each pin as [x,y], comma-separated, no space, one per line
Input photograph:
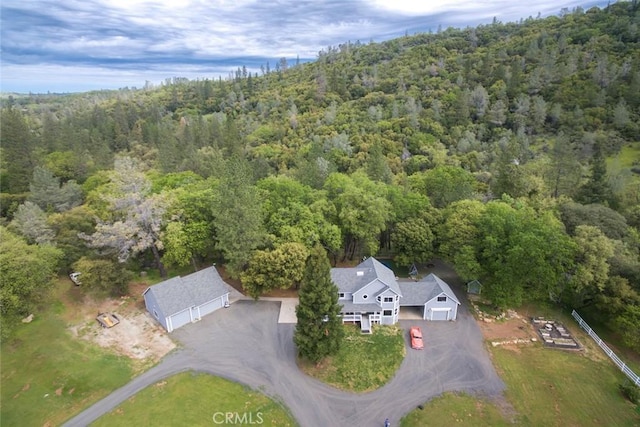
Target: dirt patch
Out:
[137,335]
[507,329]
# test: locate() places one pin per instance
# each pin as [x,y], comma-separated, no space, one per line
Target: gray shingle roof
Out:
[349,306]
[348,280]
[419,293]
[180,293]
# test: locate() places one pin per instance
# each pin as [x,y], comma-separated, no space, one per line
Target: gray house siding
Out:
[368,293]
[153,308]
[389,309]
[441,310]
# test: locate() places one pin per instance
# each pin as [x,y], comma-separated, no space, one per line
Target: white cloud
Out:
[139,35]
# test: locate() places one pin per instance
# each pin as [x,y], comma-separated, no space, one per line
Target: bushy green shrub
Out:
[630,391]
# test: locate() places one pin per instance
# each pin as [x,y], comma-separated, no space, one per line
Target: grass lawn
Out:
[365,362]
[47,376]
[458,409]
[545,387]
[194,399]
[556,388]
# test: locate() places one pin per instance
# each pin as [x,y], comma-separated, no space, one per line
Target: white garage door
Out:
[211,306]
[440,314]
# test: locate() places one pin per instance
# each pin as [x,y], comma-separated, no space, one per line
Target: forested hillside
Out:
[511,150]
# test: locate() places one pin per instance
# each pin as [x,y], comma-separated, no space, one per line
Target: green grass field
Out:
[195,399]
[545,388]
[556,388]
[364,362]
[47,375]
[455,409]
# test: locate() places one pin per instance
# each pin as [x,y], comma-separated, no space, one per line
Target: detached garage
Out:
[181,300]
[432,296]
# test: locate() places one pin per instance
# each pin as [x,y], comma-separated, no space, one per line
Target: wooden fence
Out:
[628,372]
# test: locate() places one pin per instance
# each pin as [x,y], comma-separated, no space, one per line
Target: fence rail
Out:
[628,372]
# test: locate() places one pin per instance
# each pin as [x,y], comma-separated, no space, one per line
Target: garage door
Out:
[211,306]
[179,319]
[440,314]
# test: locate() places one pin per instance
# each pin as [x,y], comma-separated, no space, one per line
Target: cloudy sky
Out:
[79,45]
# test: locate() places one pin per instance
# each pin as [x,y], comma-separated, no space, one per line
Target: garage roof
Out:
[179,293]
[419,293]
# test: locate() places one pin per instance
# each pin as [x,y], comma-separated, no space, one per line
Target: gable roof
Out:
[419,293]
[179,293]
[352,279]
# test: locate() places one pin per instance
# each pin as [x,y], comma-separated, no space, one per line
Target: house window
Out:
[378,298]
[365,296]
[155,313]
[396,311]
[388,299]
[442,299]
[386,313]
[341,295]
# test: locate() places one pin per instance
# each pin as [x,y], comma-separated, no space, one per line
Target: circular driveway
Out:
[245,343]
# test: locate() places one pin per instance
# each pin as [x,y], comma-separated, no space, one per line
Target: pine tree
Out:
[319,330]
[597,189]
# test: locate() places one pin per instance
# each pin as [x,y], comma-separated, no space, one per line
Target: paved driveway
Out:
[245,343]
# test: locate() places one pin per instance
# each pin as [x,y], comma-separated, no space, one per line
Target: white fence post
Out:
[619,363]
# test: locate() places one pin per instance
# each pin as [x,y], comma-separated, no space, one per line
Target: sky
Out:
[83,45]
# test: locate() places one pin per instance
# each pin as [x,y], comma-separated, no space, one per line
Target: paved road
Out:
[246,344]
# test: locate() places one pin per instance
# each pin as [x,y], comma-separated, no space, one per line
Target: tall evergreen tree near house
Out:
[319,330]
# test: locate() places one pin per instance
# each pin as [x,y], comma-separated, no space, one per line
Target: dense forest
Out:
[507,149]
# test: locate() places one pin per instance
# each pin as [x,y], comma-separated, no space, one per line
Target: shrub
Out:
[630,391]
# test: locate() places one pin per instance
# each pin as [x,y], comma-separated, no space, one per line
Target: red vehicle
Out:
[416,338]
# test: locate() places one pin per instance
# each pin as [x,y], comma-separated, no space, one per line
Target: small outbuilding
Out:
[182,300]
[474,287]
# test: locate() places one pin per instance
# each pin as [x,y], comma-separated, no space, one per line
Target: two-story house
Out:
[370,294]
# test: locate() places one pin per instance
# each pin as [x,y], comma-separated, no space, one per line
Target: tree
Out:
[103,277]
[596,190]
[564,171]
[66,226]
[628,323]
[47,192]
[592,268]
[238,216]
[610,222]
[27,273]
[362,210]
[413,241]
[17,151]
[282,267]
[136,215]
[31,222]
[444,184]
[479,100]
[319,330]
[190,236]
[458,235]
